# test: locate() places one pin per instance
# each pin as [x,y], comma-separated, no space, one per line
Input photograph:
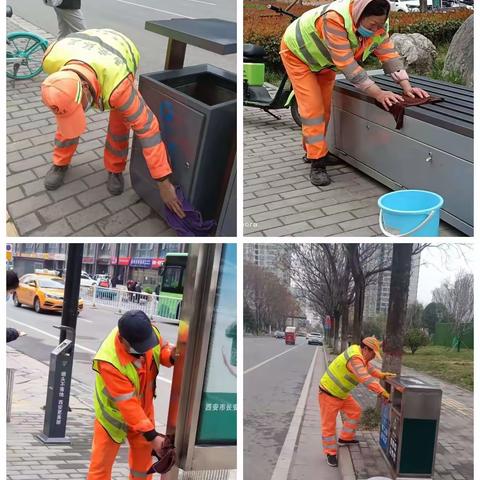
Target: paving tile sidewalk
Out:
[27,457]
[81,207]
[279,199]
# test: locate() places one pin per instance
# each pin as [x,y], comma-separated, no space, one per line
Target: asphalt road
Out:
[271,393]
[129,16]
[93,325]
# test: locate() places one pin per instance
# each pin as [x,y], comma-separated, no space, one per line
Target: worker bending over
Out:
[96,68]
[338,37]
[342,375]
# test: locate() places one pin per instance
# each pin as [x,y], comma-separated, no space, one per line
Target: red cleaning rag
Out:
[398,109]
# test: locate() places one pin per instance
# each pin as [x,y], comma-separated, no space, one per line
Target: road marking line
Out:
[269,360]
[285,458]
[81,347]
[156,9]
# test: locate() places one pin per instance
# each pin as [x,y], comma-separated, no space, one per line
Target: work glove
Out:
[385,395]
[166,457]
[388,374]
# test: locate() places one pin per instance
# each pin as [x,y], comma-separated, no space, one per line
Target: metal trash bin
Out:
[10,383]
[196,109]
[409,427]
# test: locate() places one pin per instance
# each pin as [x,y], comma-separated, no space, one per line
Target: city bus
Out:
[171,285]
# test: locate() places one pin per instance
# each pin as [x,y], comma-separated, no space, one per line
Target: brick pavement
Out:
[29,459]
[454,459]
[279,199]
[81,207]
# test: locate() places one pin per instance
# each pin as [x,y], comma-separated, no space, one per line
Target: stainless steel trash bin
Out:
[196,109]
[409,427]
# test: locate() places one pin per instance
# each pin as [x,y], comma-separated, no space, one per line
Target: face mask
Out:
[364,32]
[133,351]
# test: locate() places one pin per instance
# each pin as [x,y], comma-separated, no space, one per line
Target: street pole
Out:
[61,358]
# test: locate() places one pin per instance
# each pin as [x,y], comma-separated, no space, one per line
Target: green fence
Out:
[444,335]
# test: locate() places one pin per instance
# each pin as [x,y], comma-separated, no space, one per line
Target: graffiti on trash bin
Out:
[166,114]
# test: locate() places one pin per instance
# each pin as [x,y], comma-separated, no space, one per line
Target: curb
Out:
[345,462]
[284,461]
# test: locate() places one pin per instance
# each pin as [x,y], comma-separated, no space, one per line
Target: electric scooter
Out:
[255,92]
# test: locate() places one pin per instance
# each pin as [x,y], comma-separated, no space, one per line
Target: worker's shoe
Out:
[332,460]
[347,442]
[318,174]
[115,183]
[54,177]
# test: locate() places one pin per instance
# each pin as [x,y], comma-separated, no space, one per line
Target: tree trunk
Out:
[336,320]
[397,308]
[423,5]
[353,256]
[344,343]
[358,311]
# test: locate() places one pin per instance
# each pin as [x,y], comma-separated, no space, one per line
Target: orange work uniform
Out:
[137,411]
[330,405]
[129,111]
[314,90]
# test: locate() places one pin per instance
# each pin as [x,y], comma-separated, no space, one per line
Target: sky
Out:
[440,263]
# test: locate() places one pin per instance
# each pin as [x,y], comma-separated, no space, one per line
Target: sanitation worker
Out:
[96,68]
[344,373]
[127,365]
[332,38]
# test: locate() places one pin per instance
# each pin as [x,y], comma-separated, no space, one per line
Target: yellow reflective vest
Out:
[302,39]
[106,411]
[338,380]
[111,55]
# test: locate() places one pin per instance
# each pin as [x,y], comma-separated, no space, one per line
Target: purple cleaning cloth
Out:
[193,224]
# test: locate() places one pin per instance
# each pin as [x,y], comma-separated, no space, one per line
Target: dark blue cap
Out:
[135,327]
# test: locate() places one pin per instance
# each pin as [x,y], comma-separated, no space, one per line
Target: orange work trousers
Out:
[329,408]
[313,91]
[116,145]
[104,452]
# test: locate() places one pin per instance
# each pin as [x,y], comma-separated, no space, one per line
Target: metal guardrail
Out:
[122,301]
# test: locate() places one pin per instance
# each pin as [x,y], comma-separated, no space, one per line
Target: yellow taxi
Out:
[42,290]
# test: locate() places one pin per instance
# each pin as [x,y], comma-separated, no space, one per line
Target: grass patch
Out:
[370,419]
[443,363]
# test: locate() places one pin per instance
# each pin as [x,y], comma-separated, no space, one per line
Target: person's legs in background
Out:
[69,21]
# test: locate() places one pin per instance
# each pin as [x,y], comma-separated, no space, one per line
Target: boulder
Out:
[459,59]
[418,51]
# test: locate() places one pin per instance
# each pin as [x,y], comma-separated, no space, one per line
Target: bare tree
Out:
[270,301]
[322,276]
[397,307]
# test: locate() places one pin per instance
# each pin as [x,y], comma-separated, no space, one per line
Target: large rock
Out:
[418,51]
[459,59]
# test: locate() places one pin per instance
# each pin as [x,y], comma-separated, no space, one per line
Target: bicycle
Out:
[24,53]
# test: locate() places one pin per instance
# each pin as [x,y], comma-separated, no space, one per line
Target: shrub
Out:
[415,338]
[263,27]
[147,290]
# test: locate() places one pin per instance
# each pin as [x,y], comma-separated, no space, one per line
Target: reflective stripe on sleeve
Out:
[148,124]
[152,141]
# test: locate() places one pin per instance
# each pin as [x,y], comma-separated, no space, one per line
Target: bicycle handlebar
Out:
[281,11]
